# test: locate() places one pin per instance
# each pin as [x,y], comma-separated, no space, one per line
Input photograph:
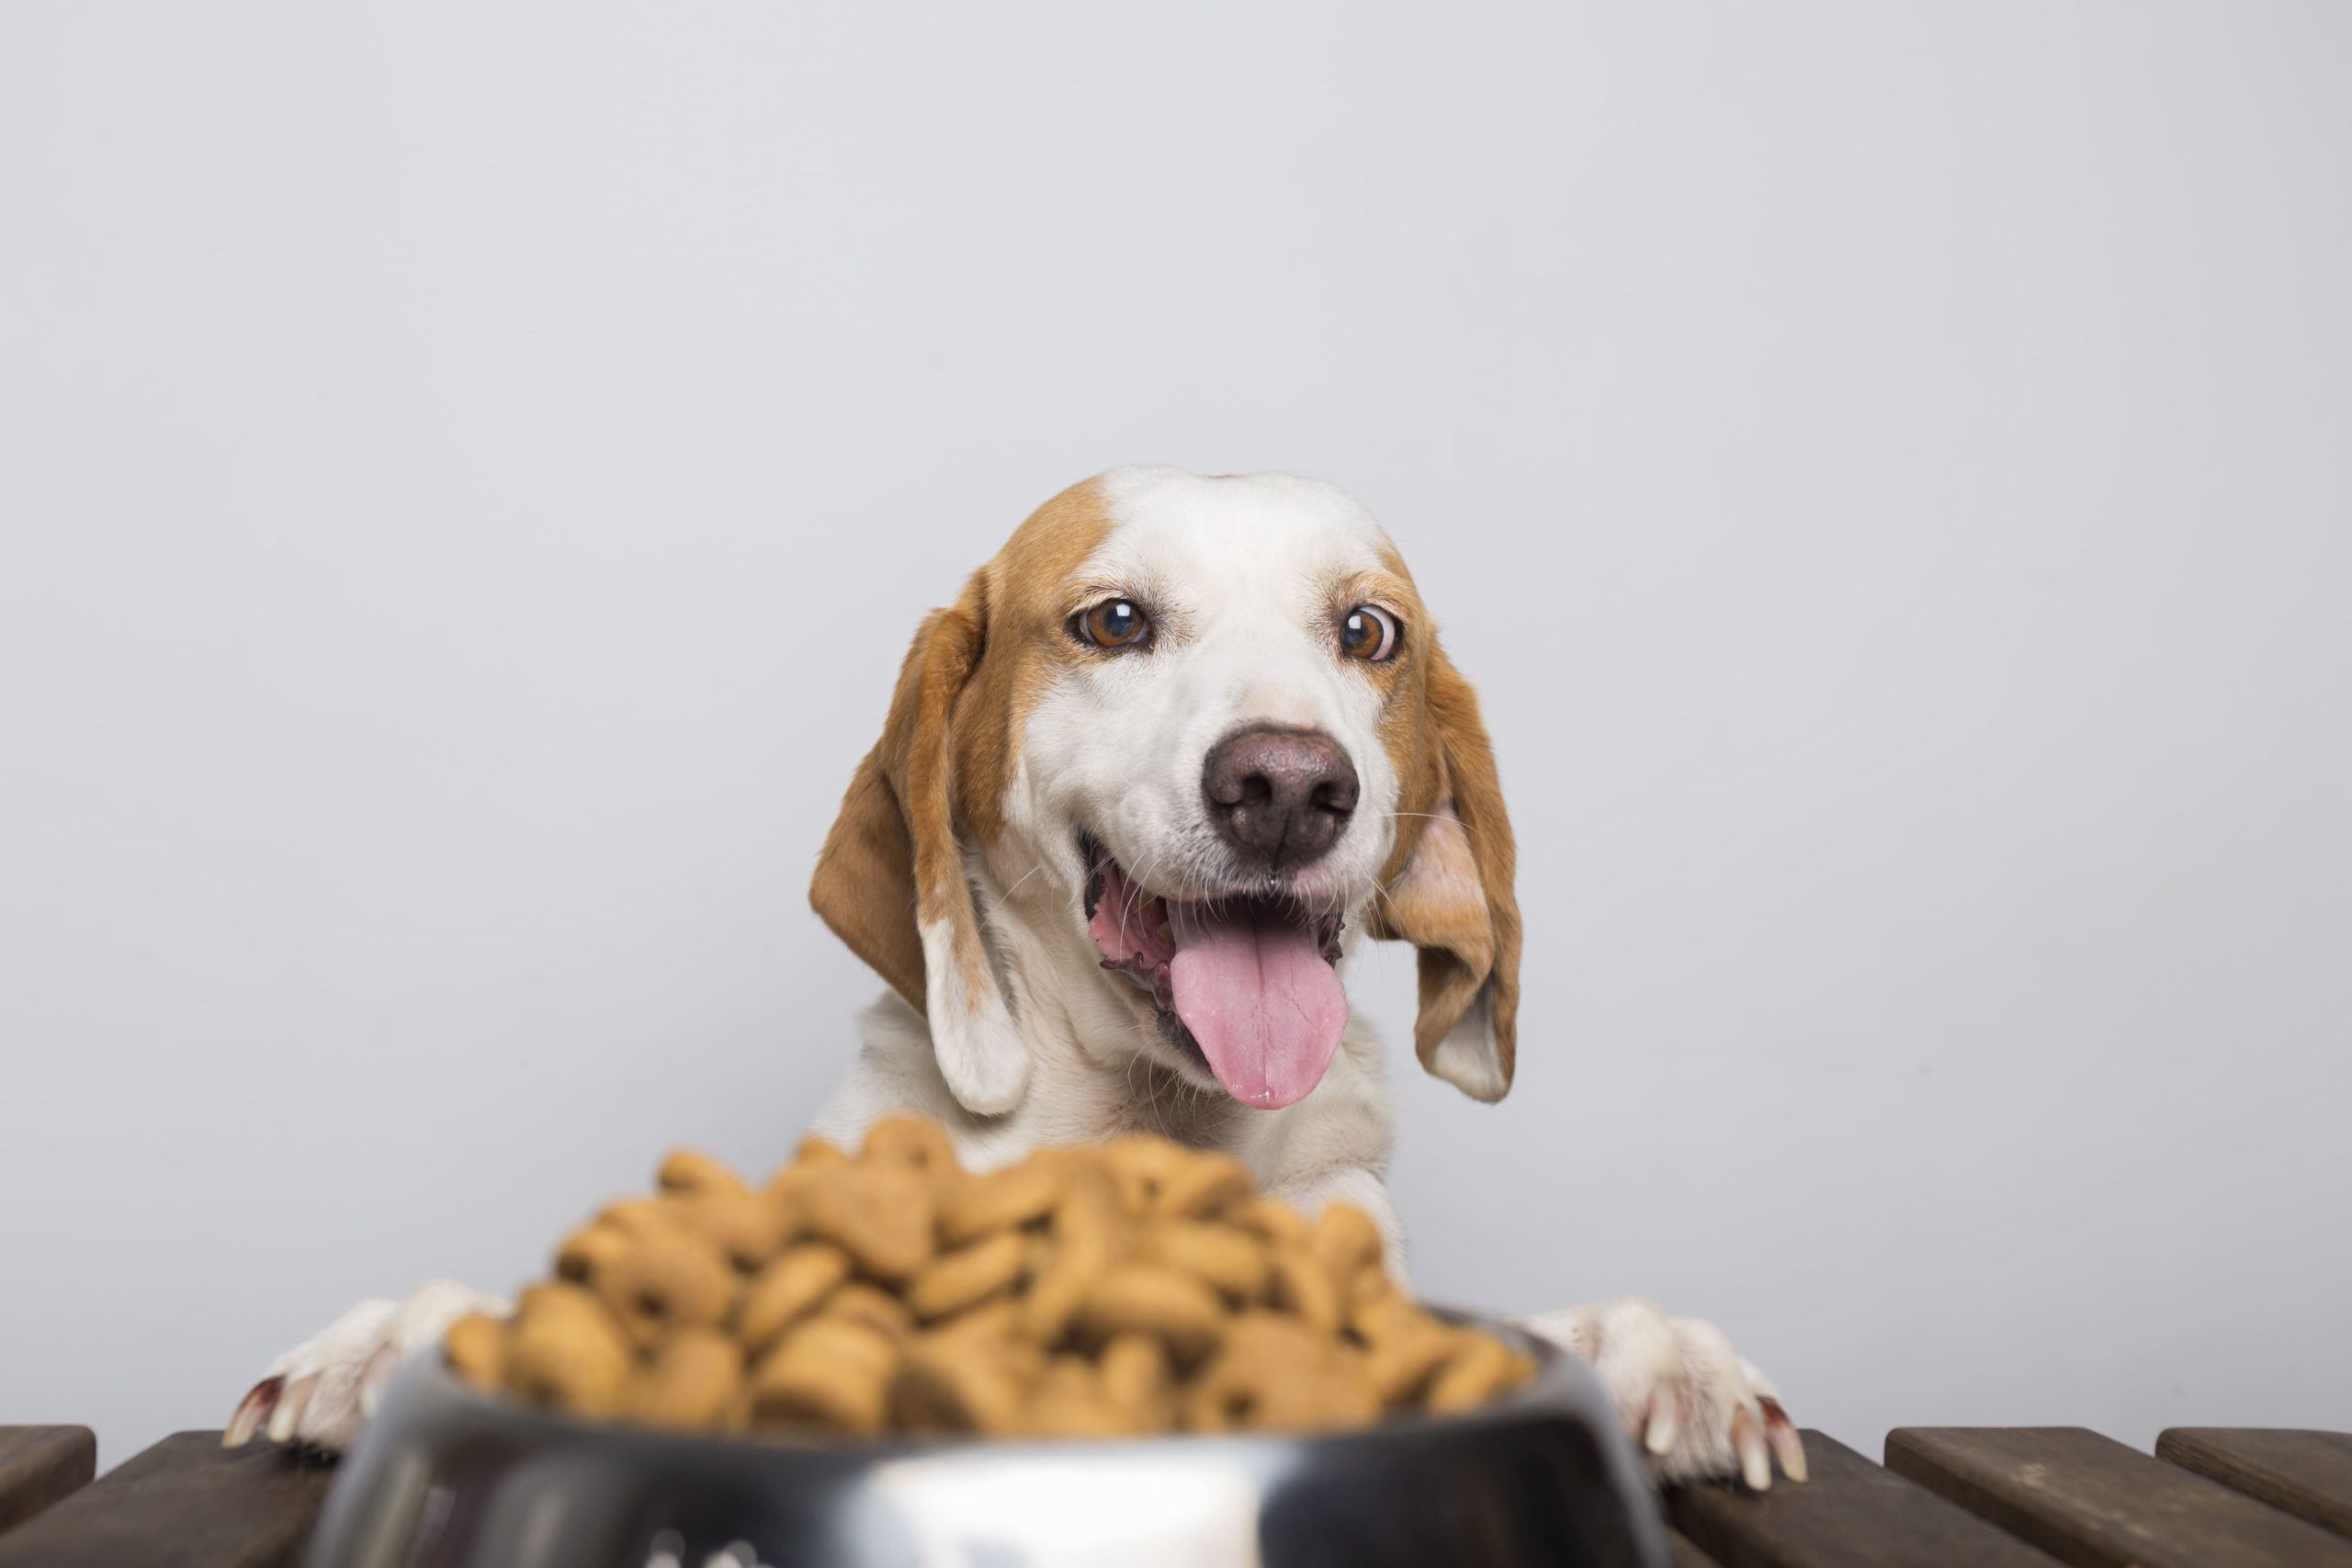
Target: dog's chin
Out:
[1161,1037]
[1138,933]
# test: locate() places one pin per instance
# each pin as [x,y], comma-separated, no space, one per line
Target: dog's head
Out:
[1184,736]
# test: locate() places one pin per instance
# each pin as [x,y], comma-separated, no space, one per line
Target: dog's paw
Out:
[1699,1410]
[316,1395]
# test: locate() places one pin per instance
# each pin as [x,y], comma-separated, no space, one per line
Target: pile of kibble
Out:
[1133,1287]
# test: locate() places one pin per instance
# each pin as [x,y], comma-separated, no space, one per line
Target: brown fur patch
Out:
[949,746]
[1024,588]
[1466,926]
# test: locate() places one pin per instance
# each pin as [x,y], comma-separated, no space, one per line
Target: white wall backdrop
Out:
[467,477]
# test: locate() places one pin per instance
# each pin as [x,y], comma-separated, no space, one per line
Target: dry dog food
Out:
[1133,1288]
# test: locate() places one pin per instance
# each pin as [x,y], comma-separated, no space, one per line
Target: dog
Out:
[1174,753]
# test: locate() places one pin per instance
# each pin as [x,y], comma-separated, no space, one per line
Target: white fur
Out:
[977,1043]
[1240,574]
[1467,1057]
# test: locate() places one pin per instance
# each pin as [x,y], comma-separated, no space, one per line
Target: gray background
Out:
[469,479]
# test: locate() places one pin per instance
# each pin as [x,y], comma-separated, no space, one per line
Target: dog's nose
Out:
[1279,797]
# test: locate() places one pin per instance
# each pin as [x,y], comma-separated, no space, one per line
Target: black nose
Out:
[1280,797]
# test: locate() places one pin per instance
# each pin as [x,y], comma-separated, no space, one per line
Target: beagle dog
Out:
[1171,756]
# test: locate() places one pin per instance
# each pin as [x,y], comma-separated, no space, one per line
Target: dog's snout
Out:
[1280,797]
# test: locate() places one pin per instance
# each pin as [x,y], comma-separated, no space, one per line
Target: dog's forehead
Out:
[1179,529]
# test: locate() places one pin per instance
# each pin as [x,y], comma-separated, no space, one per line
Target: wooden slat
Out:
[186,1502]
[2307,1474]
[2090,1501]
[40,1464]
[1680,1553]
[1850,1513]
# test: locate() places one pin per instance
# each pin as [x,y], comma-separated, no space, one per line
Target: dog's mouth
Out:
[1247,982]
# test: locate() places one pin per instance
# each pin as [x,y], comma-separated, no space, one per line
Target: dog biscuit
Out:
[829,1372]
[694,1382]
[787,1290]
[669,1278]
[956,1282]
[879,1214]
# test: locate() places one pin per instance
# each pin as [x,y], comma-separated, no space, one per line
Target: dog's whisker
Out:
[1024,876]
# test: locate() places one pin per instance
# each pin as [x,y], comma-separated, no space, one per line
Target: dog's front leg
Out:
[1698,1408]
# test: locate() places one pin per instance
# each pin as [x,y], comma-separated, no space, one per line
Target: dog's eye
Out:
[1114,623]
[1369,633]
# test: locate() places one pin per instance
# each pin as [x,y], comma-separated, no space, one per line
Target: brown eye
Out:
[1369,633]
[1114,623]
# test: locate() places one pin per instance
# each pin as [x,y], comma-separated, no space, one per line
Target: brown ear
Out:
[1449,893]
[891,879]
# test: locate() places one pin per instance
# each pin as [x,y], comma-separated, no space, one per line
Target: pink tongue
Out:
[1265,1007]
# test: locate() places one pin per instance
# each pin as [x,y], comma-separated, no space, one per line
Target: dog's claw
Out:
[292,1401]
[1755,1459]
[374,1376]
[1788,1445]
[1665,1422]
[253,1412]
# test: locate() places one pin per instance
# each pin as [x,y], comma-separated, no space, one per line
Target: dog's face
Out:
[1187,736]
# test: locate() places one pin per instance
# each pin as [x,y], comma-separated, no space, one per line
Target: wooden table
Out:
[1974,1497]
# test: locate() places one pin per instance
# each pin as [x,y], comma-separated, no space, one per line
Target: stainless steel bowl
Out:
[447,1478]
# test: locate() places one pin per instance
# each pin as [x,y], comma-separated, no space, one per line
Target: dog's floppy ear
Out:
[891,879]
[1448,892]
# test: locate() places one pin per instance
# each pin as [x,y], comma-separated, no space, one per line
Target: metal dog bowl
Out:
[445,1477]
